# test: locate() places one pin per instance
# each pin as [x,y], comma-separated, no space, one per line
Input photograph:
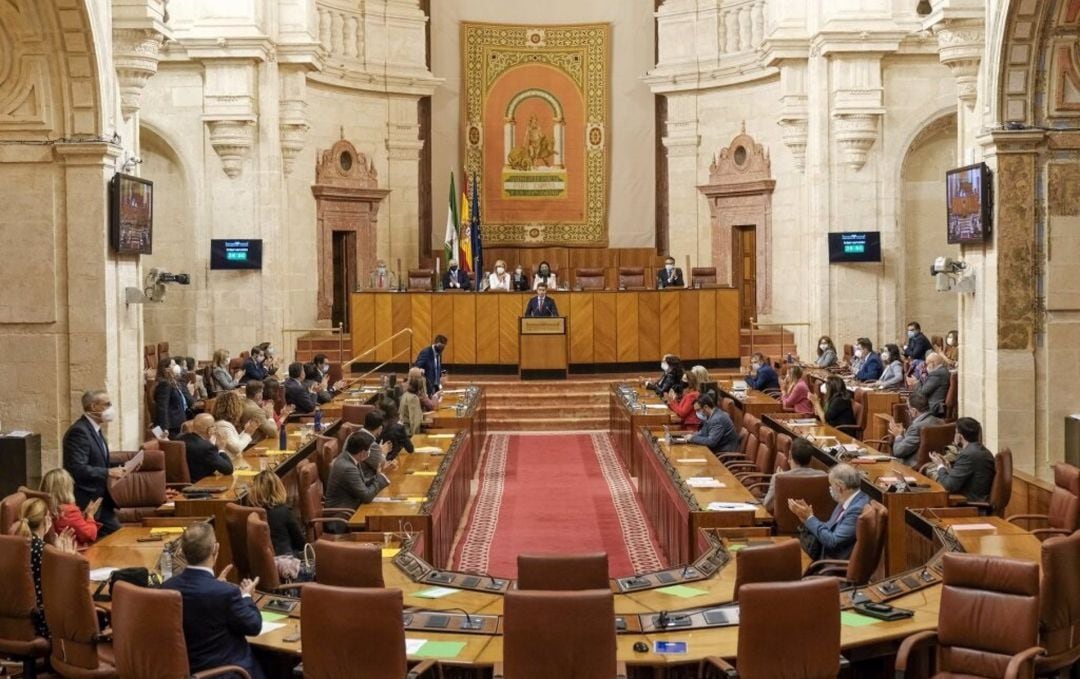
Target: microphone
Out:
[495,584]
[469,624]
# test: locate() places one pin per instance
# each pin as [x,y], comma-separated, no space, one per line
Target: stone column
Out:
[686,233]
[398,235]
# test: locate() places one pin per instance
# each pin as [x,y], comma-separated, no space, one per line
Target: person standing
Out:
[86,458]
[170,403]
[430,361]
[541,305]
[545,275]
[917,343]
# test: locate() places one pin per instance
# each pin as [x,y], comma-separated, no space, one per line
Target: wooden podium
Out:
[542,350]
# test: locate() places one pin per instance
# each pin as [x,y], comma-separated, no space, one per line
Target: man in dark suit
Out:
[918,344]
[297,394]
[351,482]
[762,375]
[936,386]
[218,615]
[670,276]
[430,361]
[86,458]
[906,441]
[717,432]
[203,456]
[454,278]
[972,474]
[541,305]
[835,538]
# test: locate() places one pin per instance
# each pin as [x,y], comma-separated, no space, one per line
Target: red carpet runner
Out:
[554,494]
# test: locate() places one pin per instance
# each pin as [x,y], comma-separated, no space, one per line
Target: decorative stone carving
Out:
[795,114]
[960,47]
[136,53]
[232,140]
[292,115]
[855,134]
[857,106]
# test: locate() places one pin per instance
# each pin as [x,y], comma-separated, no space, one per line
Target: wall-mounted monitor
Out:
[854,247]
[131,215]
[236,253]
[968,192]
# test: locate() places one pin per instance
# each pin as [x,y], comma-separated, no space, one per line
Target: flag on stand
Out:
[474,229]
[465,258]
[450,243]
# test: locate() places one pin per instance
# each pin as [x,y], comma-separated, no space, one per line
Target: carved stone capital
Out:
[855,134]
[960,47]
[232,139]
[136,53]
[796,132]
[293,137]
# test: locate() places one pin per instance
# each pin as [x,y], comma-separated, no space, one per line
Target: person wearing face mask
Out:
[670,276]
[327,391]
[905,445]
[762,376]
[86,458]
[682,400]
[271,362]
[917,343]
[870,368]
[672,374]
[430,361]
[893,375]
[950,352]
[826,352]
[795,393]
[936,386]
[544,275]
[253,366]
[382,278]
[454,278]
[541,305]
[519,282]
[222,379]
[171,407]
[500,279]
[717,432]
[835,538]
[833,405]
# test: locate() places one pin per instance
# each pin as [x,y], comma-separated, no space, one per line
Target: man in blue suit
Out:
[218,615]
[541,305]
[762,375]
[835,538]
[430,361]
[86,458]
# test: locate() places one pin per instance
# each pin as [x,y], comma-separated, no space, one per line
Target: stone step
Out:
[558,410]
[547,424]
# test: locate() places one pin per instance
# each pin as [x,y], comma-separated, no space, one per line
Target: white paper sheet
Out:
[101,574]
[973,526]
[731,507]
[704,482]
[270,627]
[413,645]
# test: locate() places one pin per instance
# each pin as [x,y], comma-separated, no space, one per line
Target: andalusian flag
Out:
[465,258]
[450,243]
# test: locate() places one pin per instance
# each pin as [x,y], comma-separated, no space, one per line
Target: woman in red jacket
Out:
[682,404]
[66,514]
[795,394]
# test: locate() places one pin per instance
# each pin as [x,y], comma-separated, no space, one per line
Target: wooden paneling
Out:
[581,327]
[488,328]
[464,335]
[727,324]
[605,346]
[688,324]
[543,352]
[442,323]
[648,327]
[511,308]
[384,325]
[362,324]
[670,326]
[402,318]
[421,321]
[707,322]
[626,327]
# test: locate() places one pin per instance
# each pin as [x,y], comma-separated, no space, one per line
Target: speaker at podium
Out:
[542,350]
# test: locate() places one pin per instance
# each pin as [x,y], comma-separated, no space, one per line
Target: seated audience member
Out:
[170,403]
[544,275]
[218,615]
[454,278]
[394,431]
[802,454]
[672,374]
[271,362]
[196,384]
[950,352]
[857,357]
[378,450]
[833,407]
[382,278]
[835,538]
[519,282]
[906,444]
[228,415]
[300,397]
[66,515]
[826,353]
[670,276]
[34,523]
[254,411]
[313,382]
[870,369]
[795,393]
[328,391]
[267,491]
[704,381]
[681,399]
[936,386]
[762,376]
[254,368]
[918,344]
[499,279]
[223,379]
[270,399]
[202,452]
[427,402]
[541,305]
[351,483]
[893,375]
[412,415]
[972,474]
[717,431]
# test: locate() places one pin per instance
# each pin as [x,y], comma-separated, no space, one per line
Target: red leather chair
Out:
[871,534]
[140,493]
[236,517]
[340,563]
[78,649]
[344,432]
[813,489]
[1001,489]
[18,638]
[260,555]
[589,279]
[10,511]
[703,276]
[313,514]
[1063,515]
[176,466]
[779,562]
[933,439]
[355,413]
[631,278]
[1059,604]
[563,572]
[326,449]
[421,279]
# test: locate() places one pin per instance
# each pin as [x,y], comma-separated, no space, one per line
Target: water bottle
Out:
[165,564]
[318,420]
[283,437]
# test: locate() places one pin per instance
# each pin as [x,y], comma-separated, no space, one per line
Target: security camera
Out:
[154,286]
[952,276]
[166,277]
[946,265]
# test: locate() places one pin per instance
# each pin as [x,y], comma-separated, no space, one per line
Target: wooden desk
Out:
[750,400]
[631,406]
[542,348]
[462,408]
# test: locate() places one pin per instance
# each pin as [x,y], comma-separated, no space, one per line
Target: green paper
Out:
[851,619]
[682,591]
[267,616]
[436,592]
[736,547]
[440,649]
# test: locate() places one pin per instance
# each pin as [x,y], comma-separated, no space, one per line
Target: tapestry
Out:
[536,130]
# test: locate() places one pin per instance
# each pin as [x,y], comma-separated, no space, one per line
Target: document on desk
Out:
[704,482]
[429,450]
[268,627]
[691,460]
[441,436]
[656,406]
[413,645]
[973,526]
[440,649]
[422,473]
[436,592]
[731,507]
[682,591]
[101,574]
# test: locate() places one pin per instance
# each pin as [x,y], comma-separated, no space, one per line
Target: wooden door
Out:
[744,271]
[344,253]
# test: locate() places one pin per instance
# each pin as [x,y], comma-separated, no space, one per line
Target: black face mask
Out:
[439,348]
[453,269]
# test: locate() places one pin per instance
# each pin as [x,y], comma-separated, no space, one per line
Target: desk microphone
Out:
[468,619]
[495,584]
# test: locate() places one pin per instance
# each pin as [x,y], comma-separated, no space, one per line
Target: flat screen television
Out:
[131,215]
[967,192]
[854,247]
[236,253]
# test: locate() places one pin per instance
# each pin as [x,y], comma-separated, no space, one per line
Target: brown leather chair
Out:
[563,572]
[355,413]
[150,357]
[589,279]
[728,404]
[140,493]
[18,638]
[1001,489]
[421,279]
[338,646]
[1063,514]
[631,278]
[933,439]
[236,364]
[858,409]
[804,614]
[813,489]
[952,397]
[176,466]
[260,555]
[313,514]
[148,635]
[703,276]
[340,563]
[535,625]
[236,517]
[779,562]
[10,511]
[326,450]
[1059,604]
[345,431]
[988,619]
[78,649]
[871,534]
[901,415]
[163,351]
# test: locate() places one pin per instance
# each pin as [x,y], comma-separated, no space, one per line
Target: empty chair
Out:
[952,397]
[236,526]
[1001,489]
[589,279]
[805,615]
[336,646]
[703,276]
[176,466]
[420,279]
[871,533]
[631,277]
[78,649]
[1059,604]
[18,603]
[148,635]
[533,631]
[813,489]
[563,572]
[779,562]
[1063,514]
[988,619]
[345,431]
[341,563]
[142,492]
[313,514]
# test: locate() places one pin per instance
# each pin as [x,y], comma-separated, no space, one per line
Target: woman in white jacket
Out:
[228,413]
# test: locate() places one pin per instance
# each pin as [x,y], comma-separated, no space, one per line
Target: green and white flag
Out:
[450,244]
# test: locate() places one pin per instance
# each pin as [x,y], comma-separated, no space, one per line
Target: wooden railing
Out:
[391,338]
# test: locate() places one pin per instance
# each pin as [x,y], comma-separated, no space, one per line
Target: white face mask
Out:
[950,341]
[834,495]
[517,272]
[885,356]
[858,353]
[382,269]
[823,346]
[823,390]
[663,366]
[499,270]
[109,414]
[325,368]
[755,365]
[669,267]
[176,370]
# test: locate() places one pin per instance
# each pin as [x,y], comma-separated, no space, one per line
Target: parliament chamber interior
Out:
[658,339]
